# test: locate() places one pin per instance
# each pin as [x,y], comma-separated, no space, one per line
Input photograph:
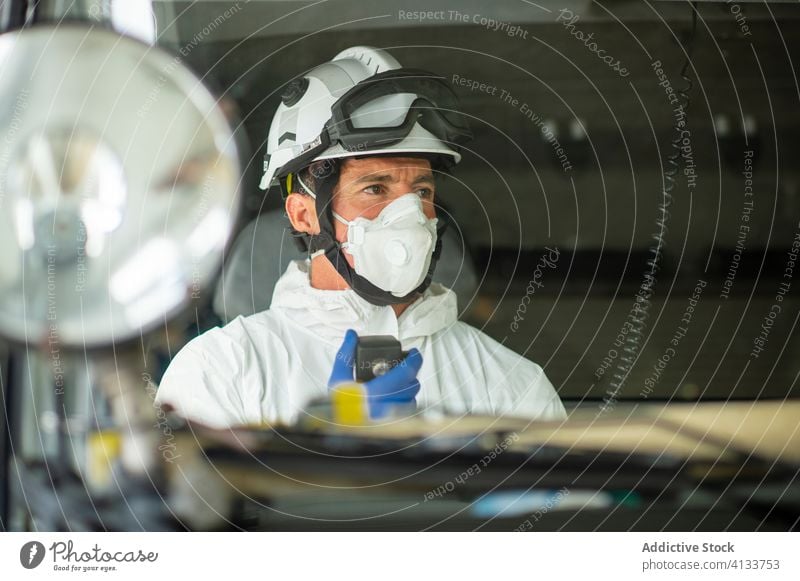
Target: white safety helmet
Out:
[362,103]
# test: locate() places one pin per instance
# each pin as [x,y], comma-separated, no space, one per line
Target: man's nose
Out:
[394,194]
[398,192]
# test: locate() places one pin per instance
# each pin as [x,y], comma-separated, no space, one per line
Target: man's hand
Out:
[397,386]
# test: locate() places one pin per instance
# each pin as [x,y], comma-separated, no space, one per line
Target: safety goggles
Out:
[382,110]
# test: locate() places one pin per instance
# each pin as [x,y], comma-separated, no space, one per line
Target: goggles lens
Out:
[383,109]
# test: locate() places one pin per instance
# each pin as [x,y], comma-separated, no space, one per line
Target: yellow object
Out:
[349,404]
[102,451]
[289,183]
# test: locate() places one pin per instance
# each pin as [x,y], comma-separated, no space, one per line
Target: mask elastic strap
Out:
[313,195]
[342,220]
[304,186]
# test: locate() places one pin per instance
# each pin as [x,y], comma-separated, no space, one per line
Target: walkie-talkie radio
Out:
[377,354]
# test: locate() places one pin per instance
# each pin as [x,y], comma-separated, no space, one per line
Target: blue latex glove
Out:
[397,386]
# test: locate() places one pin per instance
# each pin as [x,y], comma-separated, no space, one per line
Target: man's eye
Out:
[375,190]
[425,192]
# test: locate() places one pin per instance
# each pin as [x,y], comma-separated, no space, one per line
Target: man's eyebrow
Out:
[371,177]
[388,178]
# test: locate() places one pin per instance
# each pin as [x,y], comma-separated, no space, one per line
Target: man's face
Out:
[367,185]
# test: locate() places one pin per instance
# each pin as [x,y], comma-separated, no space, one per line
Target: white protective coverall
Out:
[266,367]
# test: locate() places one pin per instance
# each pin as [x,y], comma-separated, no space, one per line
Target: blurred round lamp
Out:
[118,187]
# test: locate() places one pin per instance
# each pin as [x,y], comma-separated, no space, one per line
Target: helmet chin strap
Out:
[325,242]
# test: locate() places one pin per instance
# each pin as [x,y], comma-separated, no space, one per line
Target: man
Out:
[355,146]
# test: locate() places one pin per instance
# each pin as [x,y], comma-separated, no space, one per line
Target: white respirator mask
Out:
[394,250]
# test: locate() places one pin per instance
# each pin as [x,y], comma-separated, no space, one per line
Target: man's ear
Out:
[302,212]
